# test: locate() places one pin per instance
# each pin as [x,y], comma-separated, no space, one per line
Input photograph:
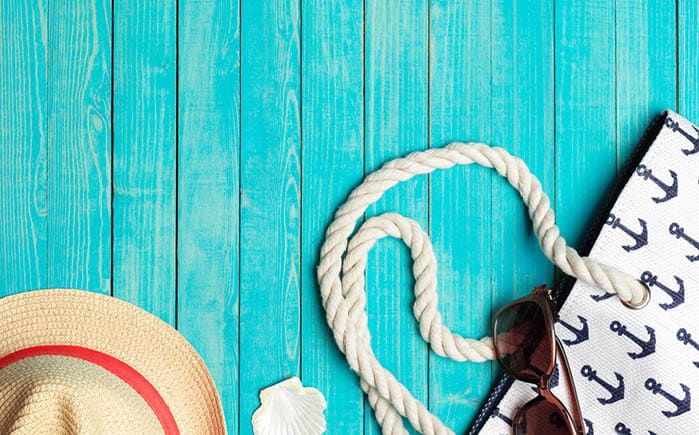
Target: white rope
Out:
[342,282]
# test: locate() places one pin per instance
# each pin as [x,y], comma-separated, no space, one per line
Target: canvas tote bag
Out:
[635,372]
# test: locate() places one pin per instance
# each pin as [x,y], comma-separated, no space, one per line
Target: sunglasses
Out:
[527,348]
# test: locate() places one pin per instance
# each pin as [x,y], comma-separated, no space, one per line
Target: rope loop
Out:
[343,263]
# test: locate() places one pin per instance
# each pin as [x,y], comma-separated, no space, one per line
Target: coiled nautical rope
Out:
[343,262]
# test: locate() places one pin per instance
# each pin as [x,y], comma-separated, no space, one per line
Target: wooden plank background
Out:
[186,156]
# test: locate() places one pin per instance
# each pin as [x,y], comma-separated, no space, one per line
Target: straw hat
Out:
[74,362]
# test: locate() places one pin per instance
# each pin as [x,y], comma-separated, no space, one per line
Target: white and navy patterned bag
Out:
[635,371]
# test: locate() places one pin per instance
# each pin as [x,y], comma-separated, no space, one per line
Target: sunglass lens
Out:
[523,341]
[542,417]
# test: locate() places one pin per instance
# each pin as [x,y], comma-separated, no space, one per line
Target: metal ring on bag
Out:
[643,302]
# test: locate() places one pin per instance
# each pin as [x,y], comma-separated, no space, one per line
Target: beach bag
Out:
[635,371]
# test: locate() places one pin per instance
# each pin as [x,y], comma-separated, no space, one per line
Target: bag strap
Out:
[342,284]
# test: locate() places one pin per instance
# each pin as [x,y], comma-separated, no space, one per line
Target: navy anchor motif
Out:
[602,297]
[497,414]
[675,127]
[681,405]
[640,239]
[590,428]
[677,231]
[616,393]
[581,334]
[686,339]
[647,347]
[676,295]
[670,190]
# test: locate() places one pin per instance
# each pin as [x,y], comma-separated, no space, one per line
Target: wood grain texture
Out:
[270,199]
[585,112]
[688,53]
[79,145]
[461,206]
[396,123]
[522,121]
[208,185]
[144,155]
[23,144]
[645,68]
[333,163]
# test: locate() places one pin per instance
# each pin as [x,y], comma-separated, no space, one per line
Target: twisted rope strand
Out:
[342,284]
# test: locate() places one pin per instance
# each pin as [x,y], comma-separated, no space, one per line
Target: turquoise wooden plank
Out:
[461,208]
[270,199]
[144,155]
[688,73]
[23,141]
[333,163]
[586,151]
[396,123]
[645,68]
[207,189]
[79,145]
[522,121]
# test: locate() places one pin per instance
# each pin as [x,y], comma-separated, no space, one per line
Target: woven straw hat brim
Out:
[116,328]
[65,395]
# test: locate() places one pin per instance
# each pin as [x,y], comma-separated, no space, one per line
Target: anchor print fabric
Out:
[635,371]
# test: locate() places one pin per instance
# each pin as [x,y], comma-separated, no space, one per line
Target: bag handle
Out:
[342,282]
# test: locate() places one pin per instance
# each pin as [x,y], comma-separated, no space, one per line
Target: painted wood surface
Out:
[79,156]
[646,70]
[687,53]
[24,125]
[144,153]
[332,107]
[187,155]
[585,117]
[270,198]
[208,190]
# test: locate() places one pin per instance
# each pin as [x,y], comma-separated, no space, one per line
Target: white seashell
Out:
[289,408]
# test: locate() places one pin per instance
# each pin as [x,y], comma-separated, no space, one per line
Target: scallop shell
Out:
[290,408]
